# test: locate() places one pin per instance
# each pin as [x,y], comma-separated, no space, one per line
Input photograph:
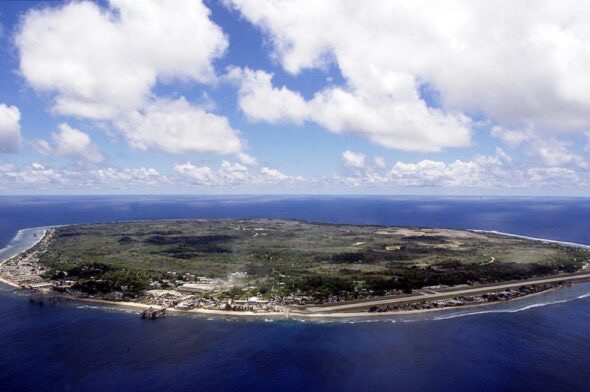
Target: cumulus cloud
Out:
[482,171]
[102,63]
[122,178]
[260,101]
[273,174]
[38,176]
[549,151]
[353,159]
[519,64]
[176,126]
[495,171]
[10,135]
[407,124]
[99,62]
[71,143]
[230,174]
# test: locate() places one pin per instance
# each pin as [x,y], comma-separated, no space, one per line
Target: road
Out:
[425,297]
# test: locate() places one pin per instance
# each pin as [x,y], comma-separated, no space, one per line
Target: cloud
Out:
[102,63]
[353,159]
[71,143]
[37,176]
[398,124]
[549,151]
[273,174]
[379,161]
[99,62]
[232,174]
[10,135]
[198,175]
[122,178]
[495,171]
[518,64]
[75,144]
[262,102]
[512,137]
[176,126]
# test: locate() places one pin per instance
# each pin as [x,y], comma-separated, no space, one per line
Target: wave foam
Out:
[522,309]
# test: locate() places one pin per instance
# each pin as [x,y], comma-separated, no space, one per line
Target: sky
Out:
[295,97]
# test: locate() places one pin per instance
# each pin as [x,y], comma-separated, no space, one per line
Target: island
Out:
[290,267]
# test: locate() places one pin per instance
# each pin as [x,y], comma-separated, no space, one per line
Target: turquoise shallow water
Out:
[538,343]
[23,240]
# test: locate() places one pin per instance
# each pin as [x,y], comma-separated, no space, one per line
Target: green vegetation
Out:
[284,256]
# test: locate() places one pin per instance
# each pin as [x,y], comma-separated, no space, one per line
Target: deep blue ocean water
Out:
[538,344]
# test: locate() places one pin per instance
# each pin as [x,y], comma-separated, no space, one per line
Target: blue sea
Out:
[535,344]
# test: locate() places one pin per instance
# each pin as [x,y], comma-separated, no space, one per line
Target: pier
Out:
[153,313]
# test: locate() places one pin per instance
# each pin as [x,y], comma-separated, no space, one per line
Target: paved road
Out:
[424,297]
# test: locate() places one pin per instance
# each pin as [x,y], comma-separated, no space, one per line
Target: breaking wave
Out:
[517,310]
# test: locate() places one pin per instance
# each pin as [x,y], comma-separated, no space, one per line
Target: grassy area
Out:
[285,256]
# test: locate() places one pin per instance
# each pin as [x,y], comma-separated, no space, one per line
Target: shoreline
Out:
[524,237]
[292,314]
[18,234]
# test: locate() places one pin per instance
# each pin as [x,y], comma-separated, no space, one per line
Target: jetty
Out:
[153,313]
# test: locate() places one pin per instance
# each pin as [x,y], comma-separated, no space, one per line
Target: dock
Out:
[153,313]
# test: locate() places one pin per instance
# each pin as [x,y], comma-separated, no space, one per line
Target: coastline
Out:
[285,315]
[524,237]
[293,315]
[18,235]
[290,314]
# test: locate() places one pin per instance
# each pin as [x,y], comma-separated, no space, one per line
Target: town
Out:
[240,292]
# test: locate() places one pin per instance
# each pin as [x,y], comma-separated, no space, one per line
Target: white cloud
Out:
[549,151]
[103,63]
[512,137]
[10,135]
[379,161]
[37,176]
[230,174]
[262,102]
[478,172]
[519,63]
[353,159]
[34,175]
[179,127]
[399,124]
[496,171]
[122,178]
[41,146]
[198,175]
[100,62]
[273,174]
[71,143]
[246,159]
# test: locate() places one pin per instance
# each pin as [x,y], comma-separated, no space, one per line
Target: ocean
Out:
[540,343]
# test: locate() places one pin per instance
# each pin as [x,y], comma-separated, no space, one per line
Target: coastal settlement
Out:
[237,292]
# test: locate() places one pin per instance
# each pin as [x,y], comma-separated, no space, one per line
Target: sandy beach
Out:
[279,315]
